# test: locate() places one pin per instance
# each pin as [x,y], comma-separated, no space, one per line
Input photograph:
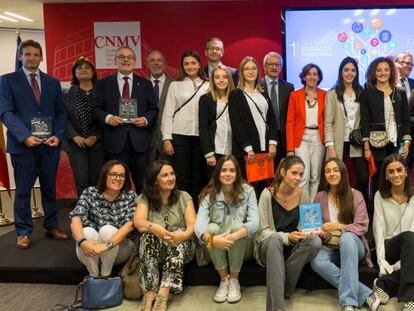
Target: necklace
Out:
[308,103]
[399,198]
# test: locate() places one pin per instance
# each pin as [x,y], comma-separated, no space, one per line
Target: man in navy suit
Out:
[214,52]
[278,91]
[127,140]
[33,111]
[404,64]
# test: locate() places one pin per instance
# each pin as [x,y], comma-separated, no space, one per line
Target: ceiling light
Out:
[8,19]
[19,17]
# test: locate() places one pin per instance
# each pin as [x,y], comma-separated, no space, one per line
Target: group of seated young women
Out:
[227,127]
[235,227]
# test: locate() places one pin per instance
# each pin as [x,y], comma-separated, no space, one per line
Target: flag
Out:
[4,172]
[18,63]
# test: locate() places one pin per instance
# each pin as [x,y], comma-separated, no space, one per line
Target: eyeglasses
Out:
[406,63]
[114,175]
[273,65]
[214,49]
[124,57]
[250,69]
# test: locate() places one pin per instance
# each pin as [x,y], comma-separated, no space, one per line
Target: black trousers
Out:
[400,283]
[137,162]
[361,171]
[189,164]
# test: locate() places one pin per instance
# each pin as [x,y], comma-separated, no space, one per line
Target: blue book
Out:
[310,217]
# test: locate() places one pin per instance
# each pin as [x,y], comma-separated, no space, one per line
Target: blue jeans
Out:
[340,269]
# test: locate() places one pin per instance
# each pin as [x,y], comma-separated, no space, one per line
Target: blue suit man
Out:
[26,94]
[127,142]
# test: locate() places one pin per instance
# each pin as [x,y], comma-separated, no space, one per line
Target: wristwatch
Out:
[109,244]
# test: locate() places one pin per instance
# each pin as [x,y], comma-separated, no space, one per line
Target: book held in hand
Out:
[310,217]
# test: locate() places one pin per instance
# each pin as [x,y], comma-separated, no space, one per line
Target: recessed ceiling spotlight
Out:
[19,17]
[8,19]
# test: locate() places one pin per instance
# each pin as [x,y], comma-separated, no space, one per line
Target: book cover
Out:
[310,217]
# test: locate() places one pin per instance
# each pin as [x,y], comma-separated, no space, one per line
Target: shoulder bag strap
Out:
[222,112]
[258,109]
[188,100]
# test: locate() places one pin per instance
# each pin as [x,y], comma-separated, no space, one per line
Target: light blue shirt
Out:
[29,77]
[245,211]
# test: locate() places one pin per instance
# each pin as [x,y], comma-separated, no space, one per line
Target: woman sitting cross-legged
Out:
[278,244]
[102,220]
[166,218]
[343,210]
[226,220]
[393,231]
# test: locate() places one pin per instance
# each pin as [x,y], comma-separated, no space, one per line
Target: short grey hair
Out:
[399,57]
[275,54]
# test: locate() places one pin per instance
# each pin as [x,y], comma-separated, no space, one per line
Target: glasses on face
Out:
[250,69]
[114,175]
[277,65]
[214,49]
[406,63]
[125,57]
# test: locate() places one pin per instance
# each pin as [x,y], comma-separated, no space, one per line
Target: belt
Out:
[312,127]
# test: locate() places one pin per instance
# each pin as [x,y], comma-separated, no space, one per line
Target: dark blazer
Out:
[243,126]
[156,140]
[411,83]
[207,114]
[73,126]
[107,102]
[18,106]
[373,119]
[285,88]
[233,71]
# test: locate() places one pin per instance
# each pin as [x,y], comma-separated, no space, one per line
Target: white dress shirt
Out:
[222,140]
[121,82]
[185,122]
[161,83]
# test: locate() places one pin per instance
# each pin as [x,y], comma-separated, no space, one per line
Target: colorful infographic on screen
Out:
[325,37]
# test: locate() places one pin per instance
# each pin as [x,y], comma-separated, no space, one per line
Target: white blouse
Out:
[390,124]
[351,107]
[185,121]
[261,102]
[222,140]
[311,114]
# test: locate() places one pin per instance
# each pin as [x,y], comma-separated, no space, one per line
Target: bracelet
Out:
[210,242]
[80,241]
[149,227]
[210,154]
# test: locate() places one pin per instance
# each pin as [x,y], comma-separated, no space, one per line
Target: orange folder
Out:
[261,168]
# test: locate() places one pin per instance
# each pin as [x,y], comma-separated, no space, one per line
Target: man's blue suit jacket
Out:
[107,102]
[18,106]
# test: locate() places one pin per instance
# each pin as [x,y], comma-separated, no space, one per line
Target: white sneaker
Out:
[373,302]
[222,291]
[234,294]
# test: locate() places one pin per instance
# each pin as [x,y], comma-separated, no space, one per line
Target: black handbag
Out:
[355,136]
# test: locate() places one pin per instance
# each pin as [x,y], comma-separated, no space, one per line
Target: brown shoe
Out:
[23,242]
[56,234]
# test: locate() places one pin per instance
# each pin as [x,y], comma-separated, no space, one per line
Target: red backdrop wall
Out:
[246,27]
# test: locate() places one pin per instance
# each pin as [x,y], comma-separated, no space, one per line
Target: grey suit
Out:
[156,140]
[284,90]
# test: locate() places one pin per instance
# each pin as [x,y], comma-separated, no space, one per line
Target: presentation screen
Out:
[326,36]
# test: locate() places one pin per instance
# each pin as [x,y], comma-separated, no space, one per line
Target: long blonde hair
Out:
[213,88]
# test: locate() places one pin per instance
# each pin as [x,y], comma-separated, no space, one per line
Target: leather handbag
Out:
[101,292]
[202,255]
[334,238]
[378,139]
[130,277]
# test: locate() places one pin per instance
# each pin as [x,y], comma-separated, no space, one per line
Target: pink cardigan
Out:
[360,225]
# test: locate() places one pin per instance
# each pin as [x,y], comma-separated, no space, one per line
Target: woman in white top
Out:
[179,125]
[252,119]
[393,231]
[342,116]
[213,114]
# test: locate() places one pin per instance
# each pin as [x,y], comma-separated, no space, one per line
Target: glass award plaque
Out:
[41,127]
[128,109]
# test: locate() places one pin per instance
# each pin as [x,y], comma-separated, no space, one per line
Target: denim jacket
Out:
[246,212]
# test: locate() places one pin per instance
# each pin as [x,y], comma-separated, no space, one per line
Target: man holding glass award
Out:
[33,111]
[126,106]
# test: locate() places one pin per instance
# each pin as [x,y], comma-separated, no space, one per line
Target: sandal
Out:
[147,302]
[160,303]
